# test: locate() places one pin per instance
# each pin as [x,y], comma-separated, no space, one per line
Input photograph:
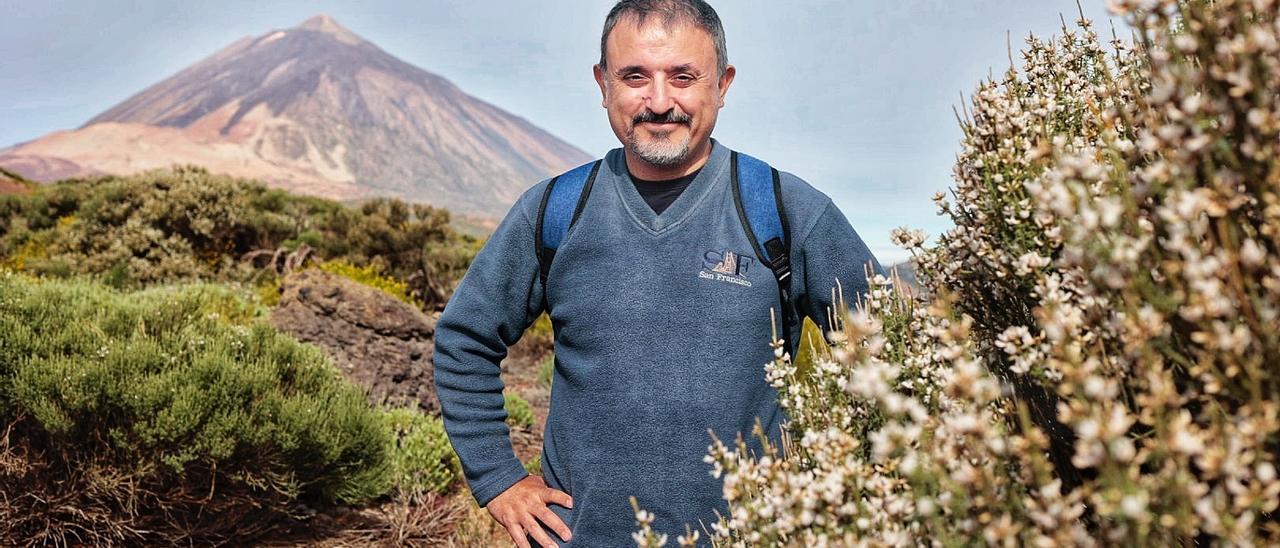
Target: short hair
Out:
[695,12]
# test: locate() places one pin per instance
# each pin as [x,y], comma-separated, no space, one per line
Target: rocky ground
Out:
[376,340]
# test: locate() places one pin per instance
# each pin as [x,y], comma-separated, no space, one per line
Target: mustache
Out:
[671,116]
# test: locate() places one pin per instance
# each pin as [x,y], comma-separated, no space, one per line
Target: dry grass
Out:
[95,503]
[74,511]
[475,527]
[426,520]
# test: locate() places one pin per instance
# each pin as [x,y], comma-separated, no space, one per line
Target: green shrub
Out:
[447,260]
[546,370]
[519,412]
[152,377]
[421,457]
[169,414]
[534,466]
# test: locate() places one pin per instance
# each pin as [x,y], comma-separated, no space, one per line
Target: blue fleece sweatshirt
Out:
[654,346]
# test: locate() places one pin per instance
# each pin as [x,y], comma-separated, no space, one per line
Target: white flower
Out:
[1252,254]
[1134,506]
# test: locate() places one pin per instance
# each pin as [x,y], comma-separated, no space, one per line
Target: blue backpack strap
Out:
[757,191]
[562,203]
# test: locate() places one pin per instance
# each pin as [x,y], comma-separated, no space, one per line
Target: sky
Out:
[855,97]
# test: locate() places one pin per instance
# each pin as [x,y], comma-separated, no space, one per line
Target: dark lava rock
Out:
[376,340]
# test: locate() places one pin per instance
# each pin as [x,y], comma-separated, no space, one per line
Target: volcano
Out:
[314,109]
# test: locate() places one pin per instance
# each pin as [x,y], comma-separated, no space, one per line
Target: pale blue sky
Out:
[855,97]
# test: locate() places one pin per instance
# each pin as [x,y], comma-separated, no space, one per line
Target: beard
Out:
[659,149]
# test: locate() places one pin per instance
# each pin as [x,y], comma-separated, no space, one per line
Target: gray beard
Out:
[660,151]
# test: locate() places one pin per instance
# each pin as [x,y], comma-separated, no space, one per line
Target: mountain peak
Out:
[317,110]
[321,22]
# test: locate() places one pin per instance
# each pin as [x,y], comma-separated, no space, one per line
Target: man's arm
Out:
[831,250]
[496,301]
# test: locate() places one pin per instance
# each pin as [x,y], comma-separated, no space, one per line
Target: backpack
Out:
[757,193]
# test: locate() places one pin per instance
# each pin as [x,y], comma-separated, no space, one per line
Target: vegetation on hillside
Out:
[185,224]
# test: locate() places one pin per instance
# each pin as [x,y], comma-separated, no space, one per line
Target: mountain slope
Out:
[319,110]
[12,183]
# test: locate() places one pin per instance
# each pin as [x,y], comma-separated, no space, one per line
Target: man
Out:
[653,349]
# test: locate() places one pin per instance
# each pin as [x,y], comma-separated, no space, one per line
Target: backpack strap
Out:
[562,203]
[757,191]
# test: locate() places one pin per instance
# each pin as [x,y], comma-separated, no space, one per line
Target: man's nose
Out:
[659,100]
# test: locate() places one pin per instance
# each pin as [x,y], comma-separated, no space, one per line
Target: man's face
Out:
[662,91]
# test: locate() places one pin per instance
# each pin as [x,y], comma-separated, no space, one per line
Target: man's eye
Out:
[684,79]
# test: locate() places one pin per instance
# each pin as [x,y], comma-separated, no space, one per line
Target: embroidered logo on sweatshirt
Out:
[726,266]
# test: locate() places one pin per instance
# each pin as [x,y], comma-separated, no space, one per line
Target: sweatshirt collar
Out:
[715,169]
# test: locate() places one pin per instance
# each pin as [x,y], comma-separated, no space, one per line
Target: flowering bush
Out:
[1097,359]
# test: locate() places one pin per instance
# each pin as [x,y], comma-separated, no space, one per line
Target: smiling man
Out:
[663,89]
[660,287]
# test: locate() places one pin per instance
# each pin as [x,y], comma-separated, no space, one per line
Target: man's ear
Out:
[604,89]
[725,80]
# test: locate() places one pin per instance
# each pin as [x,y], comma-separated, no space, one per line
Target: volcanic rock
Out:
[375,339]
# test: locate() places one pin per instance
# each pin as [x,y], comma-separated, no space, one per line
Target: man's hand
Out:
[520,507]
